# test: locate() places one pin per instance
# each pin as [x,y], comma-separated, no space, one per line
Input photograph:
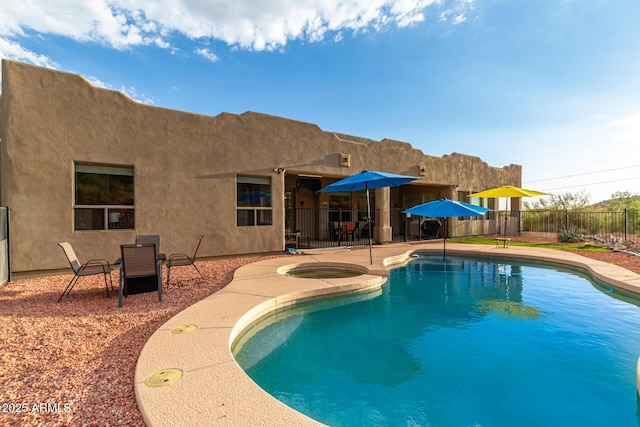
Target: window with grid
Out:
[103,197]
[253,201]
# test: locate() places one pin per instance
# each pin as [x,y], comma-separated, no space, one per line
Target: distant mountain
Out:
[606,203]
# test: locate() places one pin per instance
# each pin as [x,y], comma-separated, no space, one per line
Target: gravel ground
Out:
[626,260]
[630,262]
[73,362]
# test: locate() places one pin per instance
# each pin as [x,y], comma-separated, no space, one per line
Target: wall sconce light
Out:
[454,186]
[279,170]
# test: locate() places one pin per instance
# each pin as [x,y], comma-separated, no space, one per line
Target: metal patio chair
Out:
[351,230]
[140,270]
[89,268]
[182,259]
[151,238]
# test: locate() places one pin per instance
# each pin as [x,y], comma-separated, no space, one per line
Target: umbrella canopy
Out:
[366,180]
[445,208]
[508,191]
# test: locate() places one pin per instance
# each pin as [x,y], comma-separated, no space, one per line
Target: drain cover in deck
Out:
[184,329]
[163,377]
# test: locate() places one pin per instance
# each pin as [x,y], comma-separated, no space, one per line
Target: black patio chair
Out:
[89,268]
[140,270]
[182,259]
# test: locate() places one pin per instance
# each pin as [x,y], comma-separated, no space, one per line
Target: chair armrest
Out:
[95,262]
[178,256]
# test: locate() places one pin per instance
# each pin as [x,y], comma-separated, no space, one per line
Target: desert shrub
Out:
[570,234]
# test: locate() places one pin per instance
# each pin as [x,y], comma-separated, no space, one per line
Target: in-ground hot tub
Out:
[322,271]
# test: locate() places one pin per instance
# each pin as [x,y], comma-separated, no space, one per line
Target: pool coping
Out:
[213,389]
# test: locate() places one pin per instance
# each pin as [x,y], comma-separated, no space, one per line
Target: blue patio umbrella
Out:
[366,180]
[445,208]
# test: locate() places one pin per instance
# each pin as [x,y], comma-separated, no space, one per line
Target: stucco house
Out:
[93,167]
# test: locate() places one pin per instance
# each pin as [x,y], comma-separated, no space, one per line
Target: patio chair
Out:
[151,238]
[140,270]
[89,268]
[351,230]
[291,239]
[182,259]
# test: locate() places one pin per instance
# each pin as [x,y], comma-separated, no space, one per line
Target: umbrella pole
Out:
[369,222]
[444,248]
[506,216]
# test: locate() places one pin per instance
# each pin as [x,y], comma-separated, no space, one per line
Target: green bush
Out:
[570,234]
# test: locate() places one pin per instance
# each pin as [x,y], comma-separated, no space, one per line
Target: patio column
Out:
[382,232]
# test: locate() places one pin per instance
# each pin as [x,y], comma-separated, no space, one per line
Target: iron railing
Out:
[623,226]
[325,227]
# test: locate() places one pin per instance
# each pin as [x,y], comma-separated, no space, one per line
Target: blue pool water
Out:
[481,342]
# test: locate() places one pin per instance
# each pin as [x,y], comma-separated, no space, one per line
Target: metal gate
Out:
[327,227]
[5,258]
[310,228]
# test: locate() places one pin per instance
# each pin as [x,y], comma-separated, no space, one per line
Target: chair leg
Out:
[159,281]
[70,285]
[169,275]
[120,288]
[194,266]
[106,285]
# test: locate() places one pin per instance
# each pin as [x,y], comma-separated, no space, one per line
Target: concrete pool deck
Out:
[187,375]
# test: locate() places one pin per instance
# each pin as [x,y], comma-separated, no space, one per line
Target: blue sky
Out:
[552,85]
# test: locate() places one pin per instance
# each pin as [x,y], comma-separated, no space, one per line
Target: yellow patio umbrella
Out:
[508,191]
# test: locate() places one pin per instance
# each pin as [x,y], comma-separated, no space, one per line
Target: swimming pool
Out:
[468,342]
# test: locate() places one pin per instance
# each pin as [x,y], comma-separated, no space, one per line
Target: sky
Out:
[551,85]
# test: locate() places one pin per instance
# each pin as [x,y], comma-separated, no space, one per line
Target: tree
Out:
[563,201]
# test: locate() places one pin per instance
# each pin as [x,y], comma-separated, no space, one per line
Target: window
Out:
[340,207]
[254,201]
[103,197]
[463,196]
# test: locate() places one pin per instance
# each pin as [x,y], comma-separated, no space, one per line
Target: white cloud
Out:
[458,19]
[457,13]
[244,24]
[14,51]
[207,54]
[632,120]
[131,92]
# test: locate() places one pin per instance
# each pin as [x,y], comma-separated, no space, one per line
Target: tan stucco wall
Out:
[185,167]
